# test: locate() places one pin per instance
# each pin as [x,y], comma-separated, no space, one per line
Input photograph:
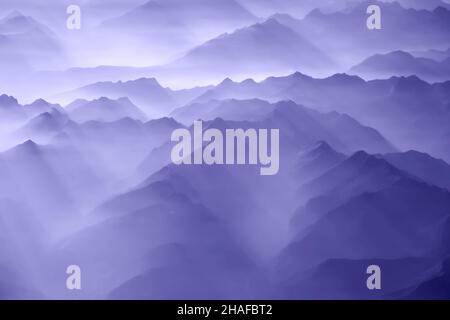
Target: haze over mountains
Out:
[401,29]
[403,63]
[27,44]
[276,47]
[86,176]
[313,44]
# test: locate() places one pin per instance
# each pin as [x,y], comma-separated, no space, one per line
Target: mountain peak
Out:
[249,81]
[441,11]
[362,159]
[361,164]
[16,22]
[282,16]
[226,82]
[344,78]
[412,82]
[165,121]
[27,147]
[360,156]
[217,123]
[321,149]
[321,146]
[270,25]
[8,101]
[399,53]
[146,81]
[271,22]
[13,15]
[314,13]
[299,75]
[125,100]
[398,56]
[102,100]
[287,104]
[39,102]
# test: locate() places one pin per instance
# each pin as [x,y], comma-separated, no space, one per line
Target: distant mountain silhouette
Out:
[27,41]
[417,4]
[338,278]
[104,109]
[434,288]
[363,166]
[264,47]
[41,177]
[10,109]
[431,170]
[146,93]
[332,31]
[316,160]
[394,106]
[407,212]
[175,26]
[438,55]
[265,8]
[358,174]
[44,126]
[227,109]
[40,106]
[156,15]
[401,63]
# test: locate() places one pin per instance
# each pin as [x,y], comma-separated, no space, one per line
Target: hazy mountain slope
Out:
[401,63]
[146,93]
[105,110]
[263,48]
[422,165]
[336,30]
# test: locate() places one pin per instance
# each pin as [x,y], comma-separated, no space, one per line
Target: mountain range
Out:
[87,123]
[401,63]
[347,29]
[152,98]
[26,44]
[277,48]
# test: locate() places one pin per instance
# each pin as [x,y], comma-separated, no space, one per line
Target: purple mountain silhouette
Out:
[25,40]
[438,55]
[358,174]
[394,106]
[265,8]
[104,109]
[302,126]
[423,166]
[30,177]
[176,25]
[264,47]
[420,5]
[346,279]
[40,106]
[146,93]
[251,110]
[434,288]
[156,14]
[10,109]
[348,28]
[401,63]
[43,127]
[409,212]
[316,160]
[93,183]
